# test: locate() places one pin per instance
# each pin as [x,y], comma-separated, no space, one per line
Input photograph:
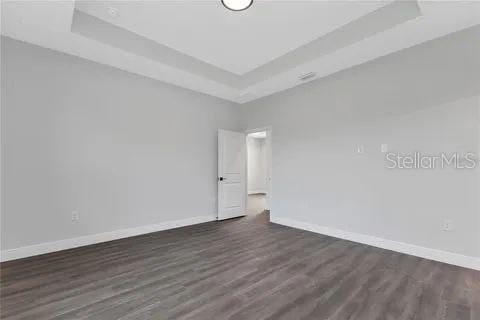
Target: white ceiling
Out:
[235,41]
[238,56]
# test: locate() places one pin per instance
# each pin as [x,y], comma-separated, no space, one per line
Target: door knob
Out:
[221,179]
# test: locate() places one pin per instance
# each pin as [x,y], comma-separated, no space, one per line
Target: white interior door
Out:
[231,174]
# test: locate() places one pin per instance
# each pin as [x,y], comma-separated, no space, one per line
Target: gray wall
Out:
[423,99]
[127,151]
[121,149]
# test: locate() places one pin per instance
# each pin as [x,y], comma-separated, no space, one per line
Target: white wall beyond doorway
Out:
[257,165]
[266,133]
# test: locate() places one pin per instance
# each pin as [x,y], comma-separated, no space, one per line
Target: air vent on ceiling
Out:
[307,76]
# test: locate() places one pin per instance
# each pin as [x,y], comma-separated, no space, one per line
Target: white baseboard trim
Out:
[257,191]
[42,248]
[414,250]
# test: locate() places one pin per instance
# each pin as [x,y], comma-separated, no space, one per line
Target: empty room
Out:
[240,160]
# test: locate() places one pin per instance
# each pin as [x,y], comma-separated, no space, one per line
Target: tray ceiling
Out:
[238,56]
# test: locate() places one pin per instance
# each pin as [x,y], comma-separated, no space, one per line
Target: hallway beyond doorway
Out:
[256,203]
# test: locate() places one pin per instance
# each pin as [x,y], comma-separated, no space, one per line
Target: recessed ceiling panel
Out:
[238,42]
[199,45]
[366,26]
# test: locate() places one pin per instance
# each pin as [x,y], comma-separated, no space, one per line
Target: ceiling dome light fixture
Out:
[237,5]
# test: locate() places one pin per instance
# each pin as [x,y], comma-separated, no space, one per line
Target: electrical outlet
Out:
[447,225]
[384,148]
[75,216]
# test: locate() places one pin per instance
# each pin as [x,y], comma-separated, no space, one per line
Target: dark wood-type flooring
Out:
[244,268]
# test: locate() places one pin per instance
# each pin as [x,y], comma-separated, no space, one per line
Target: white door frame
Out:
[268,129]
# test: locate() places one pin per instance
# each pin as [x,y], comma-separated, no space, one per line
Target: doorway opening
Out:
[258,171]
